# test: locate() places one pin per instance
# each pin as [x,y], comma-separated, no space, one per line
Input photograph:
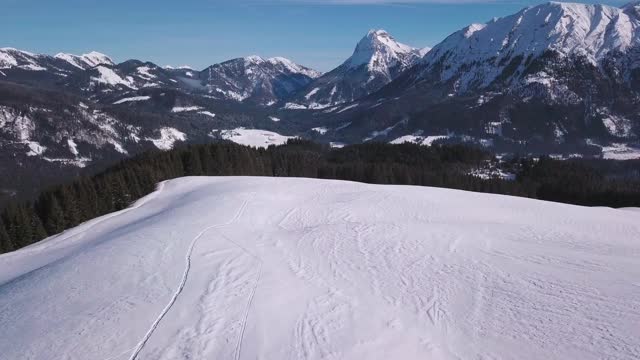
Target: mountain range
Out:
[556,78]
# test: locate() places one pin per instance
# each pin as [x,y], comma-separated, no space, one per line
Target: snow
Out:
[320,130]
[7,60]
[384,132]
[168,138]
[207,113]
[110,77]
[343,126]
[273,118]
[144,71]
[86,61]
[80,162]
[294,106]
[422,52]
[479,53]
[95,58]
[179,109]
[233,95]
[33,67]
[130,99]
[616,125]
[73,147]
[20,125]
[35,148]
[284,268]
[294,68]
[10,58]
[620,151]
[71,59]
[311,93]
[377,60]
[254,137]
[379,51]
[492,173]
[346,108]
[419,139]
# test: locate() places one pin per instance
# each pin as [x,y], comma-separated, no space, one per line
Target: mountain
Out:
[377,60]
[200,270]
[86,61]
[257,80]
[511,50]
[554,77]
[557,78]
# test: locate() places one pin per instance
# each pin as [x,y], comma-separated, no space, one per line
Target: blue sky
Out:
[315,33]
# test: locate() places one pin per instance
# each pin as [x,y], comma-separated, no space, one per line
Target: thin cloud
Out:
[389,2]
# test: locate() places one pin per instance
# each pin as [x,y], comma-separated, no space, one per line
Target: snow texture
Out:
[320,130]
[179,109]
[110,77]
[207,113]
[254,137]
[419,139]
[168,137]
[130,99]
[284,268]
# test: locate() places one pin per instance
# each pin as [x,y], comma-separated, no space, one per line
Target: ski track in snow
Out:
[314,269]
[183,281]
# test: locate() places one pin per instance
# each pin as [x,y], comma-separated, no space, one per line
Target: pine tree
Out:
[5,242]
[54,221]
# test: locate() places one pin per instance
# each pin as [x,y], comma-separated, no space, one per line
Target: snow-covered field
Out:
[252,137]
[276,268]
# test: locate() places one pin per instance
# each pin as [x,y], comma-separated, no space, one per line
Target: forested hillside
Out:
[613,184]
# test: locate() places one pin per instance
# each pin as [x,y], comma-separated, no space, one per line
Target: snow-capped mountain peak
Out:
[480,52]
[379,50]
[95,58]
[422,52]
[86,61]
[14,58]
[293,67]
[377,59]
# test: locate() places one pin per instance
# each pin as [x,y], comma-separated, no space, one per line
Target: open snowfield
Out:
[276,268]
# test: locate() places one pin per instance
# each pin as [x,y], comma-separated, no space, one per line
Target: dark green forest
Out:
[65,206]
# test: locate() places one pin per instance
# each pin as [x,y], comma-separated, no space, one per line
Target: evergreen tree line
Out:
[66,206]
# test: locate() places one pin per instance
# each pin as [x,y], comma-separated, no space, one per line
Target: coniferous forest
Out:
[595,183]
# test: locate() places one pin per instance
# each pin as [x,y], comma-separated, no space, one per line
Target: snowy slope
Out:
[275,268]
[377,59]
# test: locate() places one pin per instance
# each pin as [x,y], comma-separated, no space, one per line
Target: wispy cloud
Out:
[389,2]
